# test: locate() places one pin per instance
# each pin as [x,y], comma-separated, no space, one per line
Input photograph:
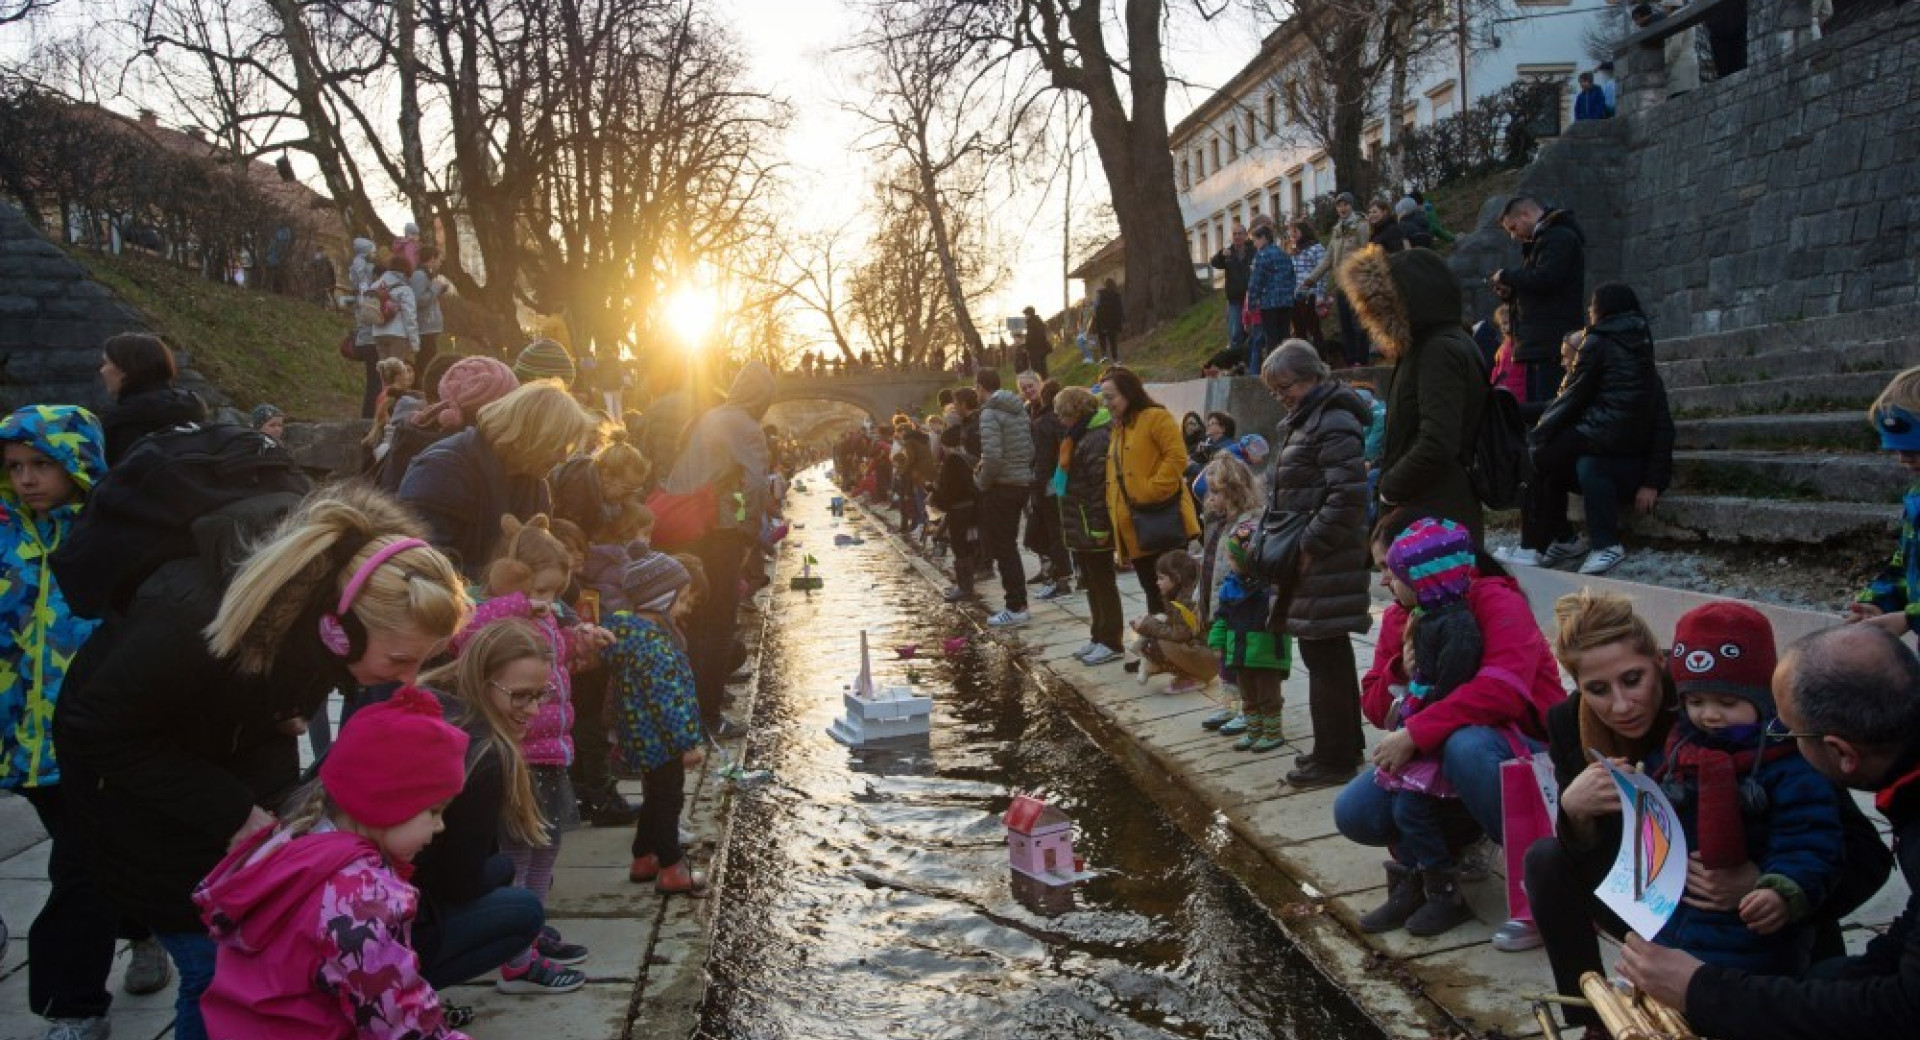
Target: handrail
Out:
[1674,23]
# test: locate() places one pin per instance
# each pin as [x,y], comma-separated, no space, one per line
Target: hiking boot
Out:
[1311,772]
[1445,908]
[79,1028]
[558,950]
[148,970]
[1563,552]
[539,975]
[1405,896]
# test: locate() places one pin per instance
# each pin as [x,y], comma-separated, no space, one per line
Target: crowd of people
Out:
[1254,550]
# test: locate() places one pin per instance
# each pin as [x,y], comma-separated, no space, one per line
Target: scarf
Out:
[1065,458]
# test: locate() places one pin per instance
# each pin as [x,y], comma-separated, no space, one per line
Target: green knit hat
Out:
[544,359]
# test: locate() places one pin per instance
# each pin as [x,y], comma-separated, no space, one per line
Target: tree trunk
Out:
[1350,115]
[356,210]
[413,157]
[943,244]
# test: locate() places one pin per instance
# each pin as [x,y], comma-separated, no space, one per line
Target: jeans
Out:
[1000,509]
[710,633]
[193,957]
[1275,323]
[1606,482]
[1333,695]
[70,943]
[657,832]
[1236,329]
[467,941]
[1366,812]
[1103,596]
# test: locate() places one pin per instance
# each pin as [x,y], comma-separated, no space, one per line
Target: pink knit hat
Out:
[395,759]
[471,384]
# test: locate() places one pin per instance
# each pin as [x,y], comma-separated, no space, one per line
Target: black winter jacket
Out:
[1238,264]
[1085,523]
[461,489]
[1047,431]
[575,489]
[1389,236]
[1109,313]
[142,410]
[1615,400]
[166,749]
[1549,287]
[1319,464]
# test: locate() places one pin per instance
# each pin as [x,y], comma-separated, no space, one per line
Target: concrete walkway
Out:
[1412,987]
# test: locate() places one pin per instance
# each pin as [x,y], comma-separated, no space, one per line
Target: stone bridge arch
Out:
[879,394]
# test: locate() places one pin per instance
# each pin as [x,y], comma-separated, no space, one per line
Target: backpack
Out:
[375,307]
[142,513]
[1501,466]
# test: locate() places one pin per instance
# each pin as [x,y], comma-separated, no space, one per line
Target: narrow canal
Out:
[867,892]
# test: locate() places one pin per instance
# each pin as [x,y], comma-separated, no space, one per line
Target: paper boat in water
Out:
[876,713]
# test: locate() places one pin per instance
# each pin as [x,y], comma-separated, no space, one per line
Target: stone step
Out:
[1805,393]
[1833,359]
[1847,429]
[1832,476]
[1851,327]
[1730,519]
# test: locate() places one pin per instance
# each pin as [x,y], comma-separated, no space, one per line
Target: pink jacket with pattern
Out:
[313,933]
[549,739]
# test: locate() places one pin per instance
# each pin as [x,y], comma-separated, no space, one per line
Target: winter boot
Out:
[1405,896]
[1270,735]
[1256,732]
[1445,908]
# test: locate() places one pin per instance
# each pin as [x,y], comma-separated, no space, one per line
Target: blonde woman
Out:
[179,717]
[463,484]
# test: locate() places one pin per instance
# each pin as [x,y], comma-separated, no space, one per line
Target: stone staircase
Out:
[1773,445]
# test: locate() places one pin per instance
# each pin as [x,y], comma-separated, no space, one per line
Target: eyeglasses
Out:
[527,698]
[1776,729]
[1276,387]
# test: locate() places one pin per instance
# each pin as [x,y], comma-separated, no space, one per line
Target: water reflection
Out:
[868,892]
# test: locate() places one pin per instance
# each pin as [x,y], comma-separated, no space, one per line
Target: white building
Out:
[1244,151]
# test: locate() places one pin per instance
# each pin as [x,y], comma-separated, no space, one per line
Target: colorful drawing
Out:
[1649,874]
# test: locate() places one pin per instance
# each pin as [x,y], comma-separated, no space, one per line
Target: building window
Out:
[1200,162]
[1216,155]
[1233,143]
[1292,89]
[1205,251]
[1442,100]
[1252,126]
[1300,197]
[1273,111]
[1186,175]
[1409,117]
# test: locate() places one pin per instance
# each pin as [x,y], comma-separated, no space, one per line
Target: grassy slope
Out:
[254,346]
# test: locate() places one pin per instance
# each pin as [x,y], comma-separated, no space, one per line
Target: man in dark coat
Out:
[1109,317]
[1850,696]
[1237,261]
[1547,291]
[1036,346]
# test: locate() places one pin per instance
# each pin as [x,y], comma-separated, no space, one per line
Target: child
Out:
[1744,798]
[396,379]
[527,582]
[1430,568]
[1258,659]
[957,496]
[589,489]
[1171,642]
[313,917]
[626,538]
[268,419]
[1508,374]
[1892,599]
[658,716]
[1230,494]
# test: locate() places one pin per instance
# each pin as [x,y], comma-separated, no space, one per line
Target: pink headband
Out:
[365,573]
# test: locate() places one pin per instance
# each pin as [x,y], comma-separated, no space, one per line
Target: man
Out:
[1036,344]
[1109,317]
[1547,293]
[1005,476]
[1349,235]
[1851,697]
[1591,102]
[1237,261]
[1043,516]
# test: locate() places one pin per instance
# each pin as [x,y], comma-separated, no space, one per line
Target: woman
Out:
[1624,707]
[1320,468]
[1307,254]
[139,371]
[1384,230]
[1192,431]
[464,387]
[1609,432]
[463,484]
[1144,467]
[1044,536]
[428,287]
[179,718]
[1471,731]
[1410,304]
[1079,486]
[1219,434]
[398,334]
[1269,292]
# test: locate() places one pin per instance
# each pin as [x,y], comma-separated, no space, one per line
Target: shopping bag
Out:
[1529,801]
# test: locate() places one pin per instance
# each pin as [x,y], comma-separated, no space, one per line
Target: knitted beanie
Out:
[544,359]
[471,384]
[1435,558]
[263,414]
[652,579]
[1725,648]
[394,759]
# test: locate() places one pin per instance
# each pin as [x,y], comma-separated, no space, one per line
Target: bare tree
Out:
[12,11]
[814,269]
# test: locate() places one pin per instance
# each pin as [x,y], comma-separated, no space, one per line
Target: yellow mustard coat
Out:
[1147,451]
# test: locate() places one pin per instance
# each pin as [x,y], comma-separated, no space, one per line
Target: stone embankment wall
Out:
[53,318]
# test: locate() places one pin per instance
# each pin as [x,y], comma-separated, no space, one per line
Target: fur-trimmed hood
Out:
[1402,296]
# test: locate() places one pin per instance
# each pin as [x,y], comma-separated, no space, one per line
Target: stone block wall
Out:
[53,318]
[1788,191]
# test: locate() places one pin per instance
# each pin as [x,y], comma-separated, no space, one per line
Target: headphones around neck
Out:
[334,631]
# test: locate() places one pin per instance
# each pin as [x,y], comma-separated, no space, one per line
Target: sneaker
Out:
[1101,655]
[1600,561]
[1517,936]
[1218,719]
[687,837]
[1009,619]
[79,1028]
[558,950]
[1085,649]
[1564,552]
[1058,590]
[539,975]
[1235,726]
[1517,557]
[149,970]
[955,594]
[1040,579]
[1186,685]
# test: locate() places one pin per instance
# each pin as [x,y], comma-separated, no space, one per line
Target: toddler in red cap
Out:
[1744,794]
[313,916]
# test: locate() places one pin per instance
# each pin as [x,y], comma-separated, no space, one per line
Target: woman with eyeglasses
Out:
[1625,707]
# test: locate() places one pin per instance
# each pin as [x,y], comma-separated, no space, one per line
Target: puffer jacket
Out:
[44,633]
[405,322]
[549,737]
[1238,629]
[1320,464]
[1549,287]
[1411,304]
[145,409]
[1270,285]
[1081,488]
[360,269]
[1047,431]
[427,291]
[459,486]
[1006,442]
[1615,399]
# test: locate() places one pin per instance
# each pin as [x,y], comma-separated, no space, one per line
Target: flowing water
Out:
[868,894]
